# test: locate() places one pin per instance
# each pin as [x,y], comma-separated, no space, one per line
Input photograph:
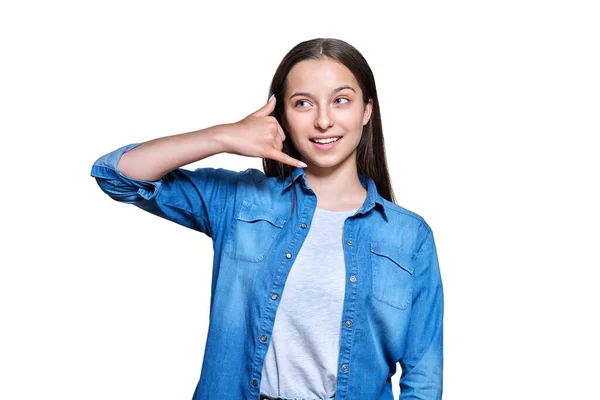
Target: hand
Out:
[260,135]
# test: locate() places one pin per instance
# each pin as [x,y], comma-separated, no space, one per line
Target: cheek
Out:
[351,121]
[296,122]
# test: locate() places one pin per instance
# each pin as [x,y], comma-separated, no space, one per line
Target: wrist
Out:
[222,136]
[225,136]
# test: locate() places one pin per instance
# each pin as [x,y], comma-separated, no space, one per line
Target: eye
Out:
[342,98]
[299,102]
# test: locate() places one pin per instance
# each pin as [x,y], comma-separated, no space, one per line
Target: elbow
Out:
[118,191]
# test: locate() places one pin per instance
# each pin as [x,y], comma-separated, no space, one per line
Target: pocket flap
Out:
[399,257]
[251,212]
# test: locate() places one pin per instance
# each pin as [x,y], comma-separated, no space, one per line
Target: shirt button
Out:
[345,367]
[353,279]
[255,383]
[263,338]
[288,255]
[348,323]
[350,243]
[303,226]
[274,296]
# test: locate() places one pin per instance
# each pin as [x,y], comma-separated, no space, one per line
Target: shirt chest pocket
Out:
[253,233]
[392,275]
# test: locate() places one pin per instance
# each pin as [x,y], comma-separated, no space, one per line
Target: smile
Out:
[326,141]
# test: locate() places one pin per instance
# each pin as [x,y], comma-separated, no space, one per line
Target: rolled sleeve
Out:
[195,199]
[118,186]
[422,363]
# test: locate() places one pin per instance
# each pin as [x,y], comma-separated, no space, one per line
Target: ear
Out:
[368,111]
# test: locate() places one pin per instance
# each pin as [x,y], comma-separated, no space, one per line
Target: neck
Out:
[337,188]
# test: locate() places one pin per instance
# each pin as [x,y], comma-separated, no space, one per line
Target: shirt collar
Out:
[373,197]
[296,172]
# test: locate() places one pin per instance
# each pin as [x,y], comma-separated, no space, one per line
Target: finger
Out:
[278,143]
[267,108]
[284,158]
[281,133]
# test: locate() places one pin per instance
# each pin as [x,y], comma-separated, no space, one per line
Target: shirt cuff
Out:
[117,185]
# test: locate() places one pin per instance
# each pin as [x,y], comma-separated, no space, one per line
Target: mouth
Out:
[326,143]
[326,140]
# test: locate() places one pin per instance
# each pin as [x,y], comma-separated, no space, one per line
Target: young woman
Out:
[321,284]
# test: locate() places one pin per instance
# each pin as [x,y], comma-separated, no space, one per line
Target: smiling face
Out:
[324,113]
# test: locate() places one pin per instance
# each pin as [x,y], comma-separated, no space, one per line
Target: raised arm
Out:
[149,175]
[257,135]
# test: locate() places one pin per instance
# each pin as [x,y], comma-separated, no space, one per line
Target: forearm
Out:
[155,158]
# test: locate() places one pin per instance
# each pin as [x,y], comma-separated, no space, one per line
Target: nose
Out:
[324,118]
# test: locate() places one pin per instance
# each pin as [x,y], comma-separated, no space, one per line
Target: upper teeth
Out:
[328,140]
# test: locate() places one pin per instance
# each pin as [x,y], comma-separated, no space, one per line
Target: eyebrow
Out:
[339,89]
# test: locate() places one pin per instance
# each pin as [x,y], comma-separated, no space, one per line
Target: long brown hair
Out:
[370,154]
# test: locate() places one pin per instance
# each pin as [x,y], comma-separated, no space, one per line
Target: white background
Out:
[490,113]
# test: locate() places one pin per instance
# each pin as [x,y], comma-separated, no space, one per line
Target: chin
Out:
[336,158]
[326,162]
[324,165]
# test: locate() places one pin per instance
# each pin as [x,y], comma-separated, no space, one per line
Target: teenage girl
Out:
[321,284]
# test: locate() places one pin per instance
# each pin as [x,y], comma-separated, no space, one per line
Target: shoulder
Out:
[260,180]
[224,175]
[258,176]
[250,180]
[409,227]
[402,212]
[253,174]
[398,212]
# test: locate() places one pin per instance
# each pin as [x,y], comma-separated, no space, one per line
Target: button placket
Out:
[274,295]
[350,260]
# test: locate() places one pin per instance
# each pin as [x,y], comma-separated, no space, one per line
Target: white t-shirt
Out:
[301,362]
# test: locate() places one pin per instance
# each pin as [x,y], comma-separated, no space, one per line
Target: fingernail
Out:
[271,98]
[302,165]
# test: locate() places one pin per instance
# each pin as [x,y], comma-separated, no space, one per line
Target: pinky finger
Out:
[284,158]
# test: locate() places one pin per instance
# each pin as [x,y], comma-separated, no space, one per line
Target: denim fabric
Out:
[393,304]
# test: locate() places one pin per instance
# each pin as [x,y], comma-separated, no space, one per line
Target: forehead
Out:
[319,76]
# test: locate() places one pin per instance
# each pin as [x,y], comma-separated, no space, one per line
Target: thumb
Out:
[267,108]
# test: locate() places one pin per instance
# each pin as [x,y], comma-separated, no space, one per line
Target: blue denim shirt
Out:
[393,304]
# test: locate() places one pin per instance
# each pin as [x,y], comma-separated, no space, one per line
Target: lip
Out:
[327,146]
